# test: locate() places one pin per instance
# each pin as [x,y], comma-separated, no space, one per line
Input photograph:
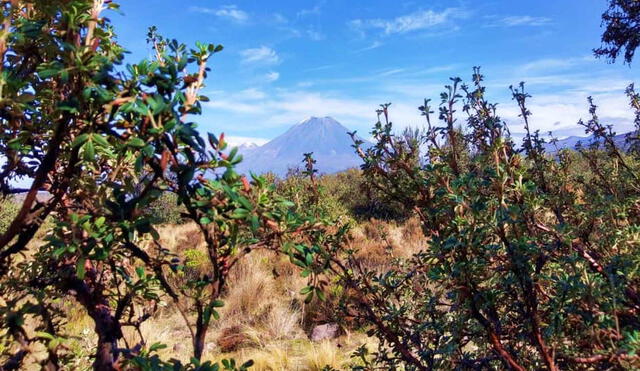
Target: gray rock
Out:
[179,348]
[326,331]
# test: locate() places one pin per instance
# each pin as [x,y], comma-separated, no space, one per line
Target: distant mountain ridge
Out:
[572,142]
[324,136]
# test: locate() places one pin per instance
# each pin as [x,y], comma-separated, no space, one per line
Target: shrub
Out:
[532,261]
[343,194]
[166,209]
[109,144]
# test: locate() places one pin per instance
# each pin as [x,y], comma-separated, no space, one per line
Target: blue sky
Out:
[287,60]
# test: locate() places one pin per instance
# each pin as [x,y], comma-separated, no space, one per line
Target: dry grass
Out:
[264,318]
[378,242]
[303,354]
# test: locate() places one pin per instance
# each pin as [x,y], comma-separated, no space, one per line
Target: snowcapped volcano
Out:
[247,146]
[324,136]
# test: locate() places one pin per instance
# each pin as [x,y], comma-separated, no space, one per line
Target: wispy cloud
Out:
[320,68]
[519,20]
[390,72]
[262,55]
[315,35]
[549,64]
[315,10]
[247,94]
[231,12]
[296,28]
[417,21]
[556,109]
[272,76]
[285,107]
[374,45]
[279,18]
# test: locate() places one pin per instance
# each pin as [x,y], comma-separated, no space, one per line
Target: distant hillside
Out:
[324,136]
[572,142]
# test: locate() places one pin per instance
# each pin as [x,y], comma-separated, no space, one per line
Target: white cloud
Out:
[315,35]
[248,94]
[420,20]
[390,72]
[315,10]
[560,113]
[321,68]
[231,12]
[272,76]
[520,20]
[559,89]
[279,18]
[374,45]
[261,55]
[285,107]
[548,64]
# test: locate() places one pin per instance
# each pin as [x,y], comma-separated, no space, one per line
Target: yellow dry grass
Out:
[262,306]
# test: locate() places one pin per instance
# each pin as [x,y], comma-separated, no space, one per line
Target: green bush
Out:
[343,194]
[533,259]
[116,147]
[166,209]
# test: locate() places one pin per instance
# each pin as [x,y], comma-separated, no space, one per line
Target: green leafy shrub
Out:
[341,194]
[166,210]
[113,146]
[533,259]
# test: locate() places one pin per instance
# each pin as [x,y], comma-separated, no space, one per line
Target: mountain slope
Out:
[572,141]
[324,136]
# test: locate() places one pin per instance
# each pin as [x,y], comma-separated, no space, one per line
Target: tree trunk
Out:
[105,354]
[201,335]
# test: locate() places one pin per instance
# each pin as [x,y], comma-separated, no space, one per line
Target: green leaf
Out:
[89,154]
[59,251]
[213,141]
[136,143]
[44,335]
[309,298]
[206,315]
[245,203]
[100,140]
[80,139]
[157,346]
[45,74]
[255,223]
[233,153]
[308,259]
[15,143]
[240,213]
[80,269]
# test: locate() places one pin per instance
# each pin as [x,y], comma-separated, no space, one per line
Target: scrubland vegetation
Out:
[453,247]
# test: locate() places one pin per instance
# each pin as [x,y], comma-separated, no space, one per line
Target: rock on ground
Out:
[326,331]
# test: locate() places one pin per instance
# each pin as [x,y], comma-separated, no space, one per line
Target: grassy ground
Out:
[264,317]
